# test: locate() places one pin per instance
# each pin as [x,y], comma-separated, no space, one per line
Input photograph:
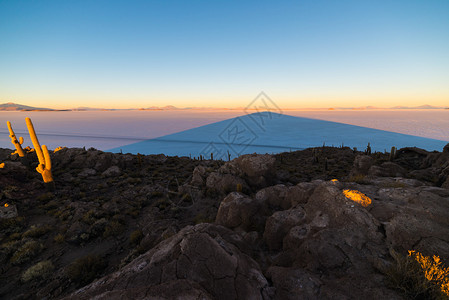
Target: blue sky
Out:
[223,53]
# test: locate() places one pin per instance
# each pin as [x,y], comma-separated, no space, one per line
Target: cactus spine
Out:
[44,167]
[16,143]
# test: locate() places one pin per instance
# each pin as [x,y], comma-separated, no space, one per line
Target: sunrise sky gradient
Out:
[131,54]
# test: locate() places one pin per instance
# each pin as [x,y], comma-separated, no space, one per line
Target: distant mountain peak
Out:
[10,106]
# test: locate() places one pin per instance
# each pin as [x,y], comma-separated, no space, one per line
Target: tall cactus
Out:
[44,167]
[17,143]
[393,153]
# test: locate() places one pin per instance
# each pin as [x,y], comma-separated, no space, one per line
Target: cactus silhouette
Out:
[393,153]
[16,143]
[44,167]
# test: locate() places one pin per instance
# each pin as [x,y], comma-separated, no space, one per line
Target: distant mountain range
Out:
[19,107]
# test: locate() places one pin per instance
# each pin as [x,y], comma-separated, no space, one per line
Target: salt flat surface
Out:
[103,129]
[430,123]
[114,129]
[271,133]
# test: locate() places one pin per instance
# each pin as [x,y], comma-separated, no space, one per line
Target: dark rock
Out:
[292,284]
[362,163]
[387,169]
[238,210]
[224,183]
[300,193]
[279,224]
[274,196]
[112,172]
[8,212]
[199,176]
[427,175]
[446,148]
[296,236]
[445,184]
[202,261]
[87,173]
[15,170]
[257,170]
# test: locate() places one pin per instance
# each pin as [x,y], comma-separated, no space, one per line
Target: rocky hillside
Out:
[323,223]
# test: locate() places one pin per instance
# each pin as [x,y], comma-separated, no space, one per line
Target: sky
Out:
[302,54]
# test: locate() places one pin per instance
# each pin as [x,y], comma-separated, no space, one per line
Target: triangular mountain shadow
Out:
[268,132]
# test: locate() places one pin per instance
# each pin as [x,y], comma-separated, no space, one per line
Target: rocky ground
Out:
[122,226]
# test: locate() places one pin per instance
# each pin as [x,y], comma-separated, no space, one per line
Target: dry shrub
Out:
[41,270]
[135,237]
[26,252]
[418,276]
[86,269]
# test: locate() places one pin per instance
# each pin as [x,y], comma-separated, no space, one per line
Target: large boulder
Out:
[199,176]
[112,171]
[240,211]
[446,183]
[274,196]
[411,157]
[338,234]
[292,284]
[300,193]
[420,222]
[224,183]
[279,224]
[387,169]
[257,170]
[12,170]
[201,262]
[362,163]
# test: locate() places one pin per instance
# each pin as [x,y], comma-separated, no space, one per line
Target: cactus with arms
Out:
[44,166]
[14,141]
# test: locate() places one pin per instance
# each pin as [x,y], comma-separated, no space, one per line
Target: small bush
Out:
[113,228]
[12,225]
[41,270]
[59,238]
[394,185]
[418,276]
[15,236]
[36,231]
[202,218]
[360,179]
[45,197]
[86,269]
[52,204]
[26,252]
[10,247]
[135,237]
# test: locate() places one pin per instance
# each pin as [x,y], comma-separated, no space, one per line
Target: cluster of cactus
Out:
[44,167]
[368,149]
